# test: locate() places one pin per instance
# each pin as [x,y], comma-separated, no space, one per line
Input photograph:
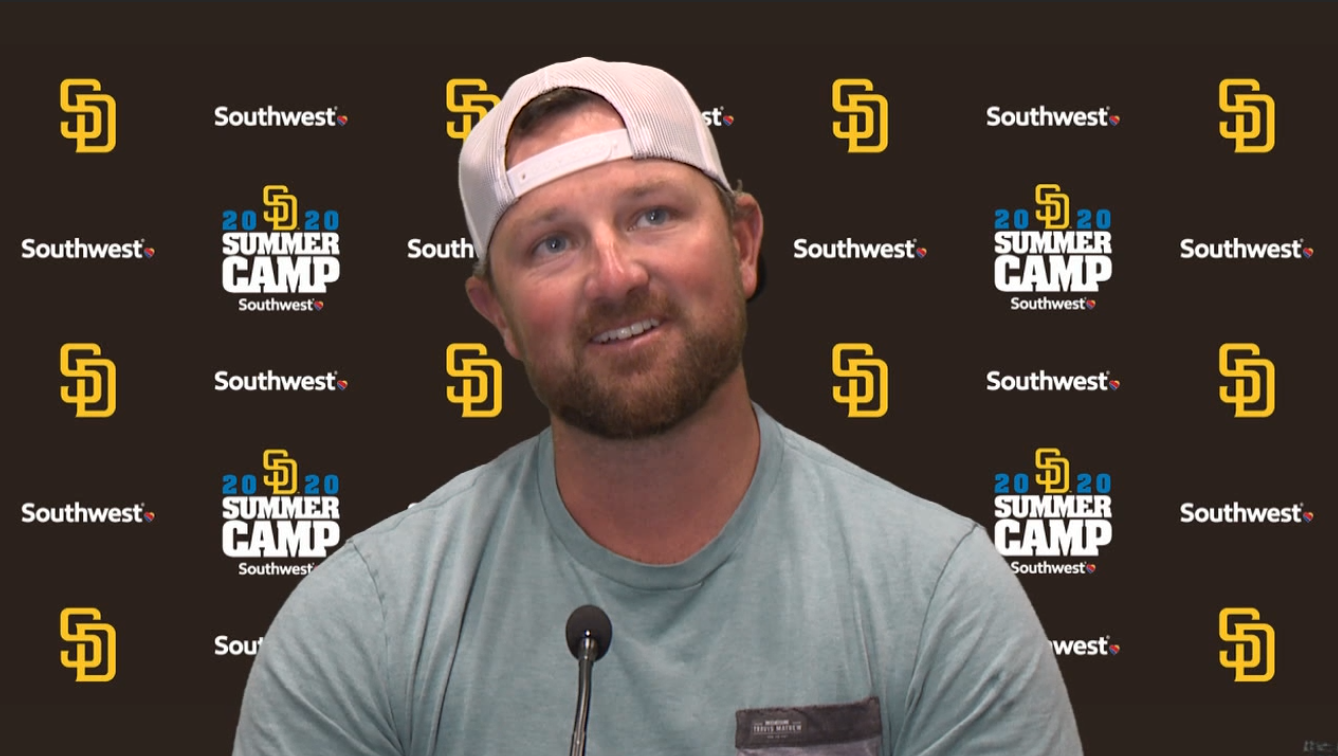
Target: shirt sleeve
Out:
[318,684]
[985,679]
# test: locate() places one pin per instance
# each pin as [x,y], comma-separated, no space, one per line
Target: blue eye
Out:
[656,216]
[551,245]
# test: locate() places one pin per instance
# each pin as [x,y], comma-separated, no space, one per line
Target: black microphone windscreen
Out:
[592,621]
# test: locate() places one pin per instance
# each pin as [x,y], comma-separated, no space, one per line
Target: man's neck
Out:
[660,500]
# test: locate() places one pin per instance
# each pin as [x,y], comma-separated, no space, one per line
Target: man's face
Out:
[621,287]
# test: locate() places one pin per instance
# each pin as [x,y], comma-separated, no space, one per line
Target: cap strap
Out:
[567,158]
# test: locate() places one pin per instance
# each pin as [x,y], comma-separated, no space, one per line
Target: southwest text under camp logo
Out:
[1251,644]
[865,125]
[93,391]
[480,393]
[471,107]
[1254,113]
[93,125]
[866,380]
[1253,389]
[94,645]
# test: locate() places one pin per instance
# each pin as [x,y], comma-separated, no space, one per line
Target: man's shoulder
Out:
[461,509]
[424,556]
[504,470]
[871,508]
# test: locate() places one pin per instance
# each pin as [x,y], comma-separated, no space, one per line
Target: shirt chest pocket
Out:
[851,729]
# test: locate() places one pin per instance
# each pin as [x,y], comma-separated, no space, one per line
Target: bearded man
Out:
[768,596]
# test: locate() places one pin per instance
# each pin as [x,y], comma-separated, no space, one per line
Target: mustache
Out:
[634,308]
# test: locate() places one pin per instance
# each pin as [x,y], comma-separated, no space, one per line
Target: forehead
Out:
[602,187]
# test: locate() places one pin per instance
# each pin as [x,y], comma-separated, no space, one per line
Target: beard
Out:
[634,400]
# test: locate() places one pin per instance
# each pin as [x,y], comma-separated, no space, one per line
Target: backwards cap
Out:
[660,119]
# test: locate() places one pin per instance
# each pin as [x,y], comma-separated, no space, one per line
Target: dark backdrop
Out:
[1164,438]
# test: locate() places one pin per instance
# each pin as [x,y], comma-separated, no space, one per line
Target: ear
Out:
[486,303]
[747,233]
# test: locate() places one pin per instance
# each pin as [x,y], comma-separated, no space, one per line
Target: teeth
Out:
[626,332]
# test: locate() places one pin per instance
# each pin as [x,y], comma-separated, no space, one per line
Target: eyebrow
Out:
[650,187]
[636,192]
[546,216]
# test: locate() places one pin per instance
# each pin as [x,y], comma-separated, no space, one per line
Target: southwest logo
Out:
[1091,568]
[342,385]
[1308,516]
[921,251]
[1114,120]
[343,120]
[319,305]
[1308,251]
[729,120]
[1115,385]
[1114,649]
[1090,304]
[148,517]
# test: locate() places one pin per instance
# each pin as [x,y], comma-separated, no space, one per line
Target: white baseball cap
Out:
[660,121]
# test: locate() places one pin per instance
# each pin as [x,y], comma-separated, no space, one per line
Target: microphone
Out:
[589,634]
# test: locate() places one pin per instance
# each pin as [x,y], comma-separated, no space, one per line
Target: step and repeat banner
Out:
[1078,295]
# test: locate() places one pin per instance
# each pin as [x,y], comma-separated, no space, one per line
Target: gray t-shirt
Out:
[834,614]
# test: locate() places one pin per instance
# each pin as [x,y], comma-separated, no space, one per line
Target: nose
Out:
[616,269]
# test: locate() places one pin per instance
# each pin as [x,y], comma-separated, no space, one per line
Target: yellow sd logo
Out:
[1052,471]
[471,107]
[282,212]
[866,115]
[1254,380]
[866,380]
[1253,644]
[283,478]
[482,383]
[95,115]
[1250,123]
[90,650]
[1052,207]
[89,382]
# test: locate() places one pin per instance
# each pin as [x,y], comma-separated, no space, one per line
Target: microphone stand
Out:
[586,655]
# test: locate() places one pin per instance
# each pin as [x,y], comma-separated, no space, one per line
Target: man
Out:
[766,595]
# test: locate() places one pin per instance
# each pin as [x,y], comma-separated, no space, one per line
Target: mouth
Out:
[615,335]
